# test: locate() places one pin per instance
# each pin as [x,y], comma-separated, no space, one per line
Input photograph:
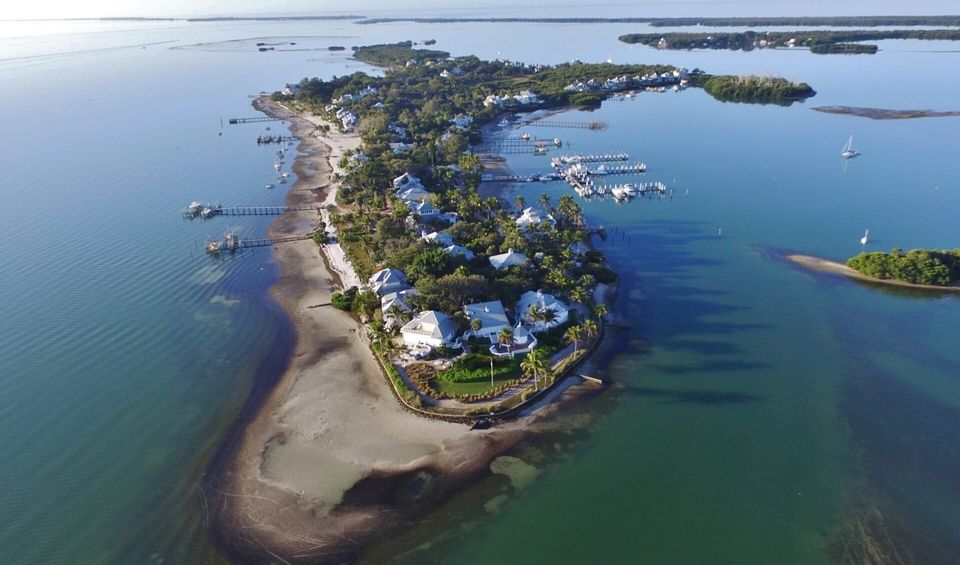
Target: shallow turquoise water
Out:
[755,399]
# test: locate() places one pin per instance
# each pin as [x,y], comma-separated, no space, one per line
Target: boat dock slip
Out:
[602,158]
[266,139]
[230,243]
[566,124]
[258,119]
[209,211]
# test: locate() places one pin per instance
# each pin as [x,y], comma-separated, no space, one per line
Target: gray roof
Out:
[490,314]
[433,324]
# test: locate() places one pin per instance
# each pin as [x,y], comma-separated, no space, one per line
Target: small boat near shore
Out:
[866,238]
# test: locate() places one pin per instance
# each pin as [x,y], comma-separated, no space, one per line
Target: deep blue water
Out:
[756,399]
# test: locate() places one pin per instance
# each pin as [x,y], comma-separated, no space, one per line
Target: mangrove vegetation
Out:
[917,266]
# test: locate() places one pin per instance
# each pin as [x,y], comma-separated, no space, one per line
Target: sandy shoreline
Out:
[828,266]
[306,479]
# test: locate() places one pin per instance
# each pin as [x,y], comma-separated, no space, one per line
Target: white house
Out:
[494,100]
[444,239]
[462,121]
[386,281]
[460,250]
[508,259]
[425,210]
[492,318]
[412,194]
[291,89]
[406,180]
[532,217]
[398,299]
[527,97]
[542,301]
[523,342]
[429,327]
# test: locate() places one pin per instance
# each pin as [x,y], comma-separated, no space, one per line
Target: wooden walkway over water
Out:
[566,124]
[256,120]
[270,241]
[253,211]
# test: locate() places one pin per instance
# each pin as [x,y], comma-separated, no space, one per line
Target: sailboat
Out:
[866,238]
[848,151]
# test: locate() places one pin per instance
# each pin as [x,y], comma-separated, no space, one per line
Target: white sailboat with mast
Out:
[848,151]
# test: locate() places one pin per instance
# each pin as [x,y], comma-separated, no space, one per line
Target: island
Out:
[886,114]
[436,322]
[917,266]
[822,265]
[818,42]
[757,89]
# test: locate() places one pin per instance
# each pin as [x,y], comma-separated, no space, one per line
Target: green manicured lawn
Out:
[471,374]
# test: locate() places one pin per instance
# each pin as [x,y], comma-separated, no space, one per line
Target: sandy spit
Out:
[329,463]
[828,266]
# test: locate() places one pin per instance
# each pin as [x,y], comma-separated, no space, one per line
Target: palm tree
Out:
[548,316]
[579,295]
[590,328]
[544,200]
[574,334]
[534,364]
[505,338]
[475,325]
[533,314]
[520,202]
[600,310]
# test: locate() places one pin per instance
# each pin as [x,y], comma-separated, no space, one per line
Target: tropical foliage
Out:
[918,266]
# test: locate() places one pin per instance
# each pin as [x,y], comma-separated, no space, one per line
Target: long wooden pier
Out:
[249,211]
[256,120]
[269,241]
[566,124]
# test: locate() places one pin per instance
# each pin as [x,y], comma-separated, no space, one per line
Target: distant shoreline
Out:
[827,266]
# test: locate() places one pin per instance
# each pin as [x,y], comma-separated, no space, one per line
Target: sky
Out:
[17,9]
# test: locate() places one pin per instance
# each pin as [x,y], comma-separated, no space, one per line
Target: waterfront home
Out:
[412,194]
[527,97]
[291,89]
[492,318]
[396,301]
[406,180]
[424,210]
[462,121]
[508,259]
[494,100]
[459,250]
[386,281]
[444,239]
[430,328]
[542,301]
[522,342]
[533,217]
[579,249]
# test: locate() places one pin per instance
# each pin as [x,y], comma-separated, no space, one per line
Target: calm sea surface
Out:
[758,407]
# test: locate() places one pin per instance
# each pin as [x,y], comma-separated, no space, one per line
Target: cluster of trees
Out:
[756,89]
[818,41]
[386,55]
[415,105]
[833,21]
[918,266]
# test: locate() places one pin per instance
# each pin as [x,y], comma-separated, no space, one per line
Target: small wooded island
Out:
[917,266]
[819,42]
[757,89]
